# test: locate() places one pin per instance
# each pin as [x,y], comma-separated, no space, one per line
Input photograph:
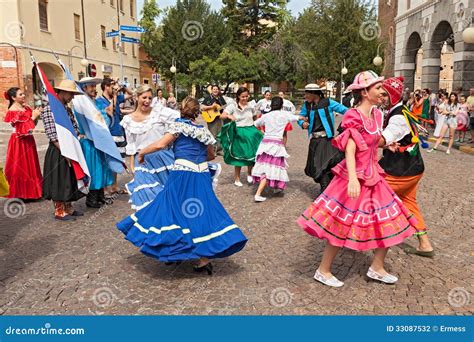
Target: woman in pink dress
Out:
[359,210]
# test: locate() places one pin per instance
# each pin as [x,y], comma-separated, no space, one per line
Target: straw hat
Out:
[312,87]
[89,80]
[69,86]
[364,80]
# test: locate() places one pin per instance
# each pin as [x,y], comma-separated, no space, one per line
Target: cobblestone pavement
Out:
[86,267]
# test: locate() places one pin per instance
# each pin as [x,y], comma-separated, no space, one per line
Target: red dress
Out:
[22,168]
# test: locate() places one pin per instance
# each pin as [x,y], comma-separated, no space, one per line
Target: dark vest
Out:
[401,164]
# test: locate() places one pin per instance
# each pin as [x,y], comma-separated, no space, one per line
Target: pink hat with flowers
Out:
[364,80]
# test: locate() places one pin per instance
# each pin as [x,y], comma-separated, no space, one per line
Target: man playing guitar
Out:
[214,102]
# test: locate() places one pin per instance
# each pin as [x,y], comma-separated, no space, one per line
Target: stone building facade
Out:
[428,24]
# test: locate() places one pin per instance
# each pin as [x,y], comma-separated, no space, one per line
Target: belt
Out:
[319,134]
[195,167]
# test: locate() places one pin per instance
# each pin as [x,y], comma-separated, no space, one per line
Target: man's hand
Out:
[109,110]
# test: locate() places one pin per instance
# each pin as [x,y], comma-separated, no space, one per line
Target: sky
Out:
[295,6]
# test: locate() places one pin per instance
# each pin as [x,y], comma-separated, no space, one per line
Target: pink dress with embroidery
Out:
[375,219]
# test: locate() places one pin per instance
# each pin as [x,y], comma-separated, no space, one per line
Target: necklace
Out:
[378,129]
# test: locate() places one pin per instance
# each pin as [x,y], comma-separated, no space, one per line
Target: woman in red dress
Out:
[22,168]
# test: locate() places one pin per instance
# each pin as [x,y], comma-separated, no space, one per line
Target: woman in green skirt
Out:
[240,138]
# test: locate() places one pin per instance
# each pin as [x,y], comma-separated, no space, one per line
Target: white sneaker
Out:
[431,150]
[249,179]
[448,151]
[333,281]
[238,183]
[387,279]
[260,198]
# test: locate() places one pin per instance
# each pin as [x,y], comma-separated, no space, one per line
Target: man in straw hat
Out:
[322,156]
[60,183]
[101,175]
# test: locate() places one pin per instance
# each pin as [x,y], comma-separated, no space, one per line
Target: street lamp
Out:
[468,35]
[378,61]
[84,61]
[344,71]
[173,71]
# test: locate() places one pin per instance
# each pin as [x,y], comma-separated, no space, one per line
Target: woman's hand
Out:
[305,125]
[353,188]
[231,117]
[36,114]
[393,147]
[141,157]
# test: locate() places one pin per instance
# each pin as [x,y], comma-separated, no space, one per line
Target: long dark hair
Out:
[277,103]
[456,100]
[10,94]
[240,91]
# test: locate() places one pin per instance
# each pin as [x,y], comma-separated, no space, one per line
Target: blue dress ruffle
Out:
[149,178]
[186,220]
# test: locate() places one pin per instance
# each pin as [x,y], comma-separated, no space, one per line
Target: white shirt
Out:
[158,102]
[289,106]
[141,134]
[264,106]
[243,117]
[275,123]
[396,129]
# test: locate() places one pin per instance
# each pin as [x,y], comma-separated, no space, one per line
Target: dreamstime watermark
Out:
[370,30]
[14,30]
[459,297]
[192,30]
[281,297]
[103,297]
[14,208]
[192,208]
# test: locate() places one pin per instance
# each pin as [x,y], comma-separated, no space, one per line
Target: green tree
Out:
[188,32]
[229,67]
[254,22]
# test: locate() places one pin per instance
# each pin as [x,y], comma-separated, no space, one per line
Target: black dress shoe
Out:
[93,204]
[208,268]
[77,213]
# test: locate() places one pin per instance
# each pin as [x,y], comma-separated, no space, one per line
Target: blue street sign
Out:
[112,34]
[129,40]
[131,28]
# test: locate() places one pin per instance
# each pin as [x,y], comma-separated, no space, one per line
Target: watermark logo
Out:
[281,297]
[192,208]
[14,208]
[369,30]
[14,30]
[103,297]
[459,297]
[192,30]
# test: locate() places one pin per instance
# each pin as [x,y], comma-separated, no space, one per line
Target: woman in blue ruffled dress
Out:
[185,221]
[142,127]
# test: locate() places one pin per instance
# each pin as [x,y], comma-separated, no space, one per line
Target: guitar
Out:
[211,114]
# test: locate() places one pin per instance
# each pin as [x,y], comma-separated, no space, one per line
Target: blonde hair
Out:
[190,108]
[140,91]
[143,89]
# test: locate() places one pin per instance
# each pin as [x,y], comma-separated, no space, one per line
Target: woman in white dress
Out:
[145,125]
